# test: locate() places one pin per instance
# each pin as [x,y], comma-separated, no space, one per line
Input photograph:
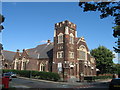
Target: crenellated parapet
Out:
[65,23]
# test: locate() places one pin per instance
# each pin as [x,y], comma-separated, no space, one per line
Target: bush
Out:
[35,74]
[102,77]
[93,78]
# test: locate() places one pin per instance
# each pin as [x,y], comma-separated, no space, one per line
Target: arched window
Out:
[60,38]
[82,53]
[24,65]
[42,67]
[71,38]
[15,63]
[24,62]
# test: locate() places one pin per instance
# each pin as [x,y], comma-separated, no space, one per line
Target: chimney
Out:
[23,50]
[18,50]
[48,41]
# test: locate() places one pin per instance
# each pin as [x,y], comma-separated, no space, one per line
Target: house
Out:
[67,55]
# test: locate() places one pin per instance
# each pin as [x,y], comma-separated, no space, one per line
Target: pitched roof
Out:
[41,51]
[8,55]
[32,55]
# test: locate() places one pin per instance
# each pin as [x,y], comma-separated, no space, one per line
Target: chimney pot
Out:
[18,50]
[48,41]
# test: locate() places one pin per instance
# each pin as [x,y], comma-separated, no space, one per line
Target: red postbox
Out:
[5,82]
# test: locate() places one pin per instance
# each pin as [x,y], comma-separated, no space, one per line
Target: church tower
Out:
[64,51]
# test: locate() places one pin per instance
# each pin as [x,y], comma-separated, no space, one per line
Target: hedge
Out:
[93,78]
[102,77]
[35,74]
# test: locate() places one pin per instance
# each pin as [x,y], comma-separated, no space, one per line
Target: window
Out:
[59,67]
[16,64]
[71,39]
[82,55]
[24,65]
[71,54]
[60,38]
[42,67]
[60,54]
[60,47]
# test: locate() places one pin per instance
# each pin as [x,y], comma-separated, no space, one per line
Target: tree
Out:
[106,9]
[116,68]
[103,58]
[2,18]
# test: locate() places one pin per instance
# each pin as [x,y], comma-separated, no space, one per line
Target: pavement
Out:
[84,84]
[13,85]
[71,83]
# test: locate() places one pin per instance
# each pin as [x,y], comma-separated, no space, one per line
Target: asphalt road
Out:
[28,83]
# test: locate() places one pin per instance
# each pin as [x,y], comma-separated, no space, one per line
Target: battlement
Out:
[65,23]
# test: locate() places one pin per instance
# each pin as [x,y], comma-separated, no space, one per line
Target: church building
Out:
[68,55]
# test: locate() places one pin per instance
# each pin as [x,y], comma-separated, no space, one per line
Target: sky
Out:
[28,24]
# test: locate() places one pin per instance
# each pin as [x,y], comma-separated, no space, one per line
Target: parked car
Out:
[13,75]
[114,84]
[7,75]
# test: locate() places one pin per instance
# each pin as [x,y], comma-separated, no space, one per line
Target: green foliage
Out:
[103,58]
[105,8]
[93,78]
[102,77]
[116,27]
[116,68]
[35,74]
[2,18]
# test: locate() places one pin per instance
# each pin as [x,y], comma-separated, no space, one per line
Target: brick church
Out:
[68,55]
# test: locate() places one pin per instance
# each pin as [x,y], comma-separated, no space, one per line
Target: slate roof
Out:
[41,51]
[8,55]
[32,55]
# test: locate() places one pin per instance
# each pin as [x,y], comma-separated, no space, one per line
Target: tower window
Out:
[60,54]
[71,54]
[60,38]
[71,39]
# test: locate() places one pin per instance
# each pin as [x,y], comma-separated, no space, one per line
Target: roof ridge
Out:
[30,49]
[39,45]
[42,44]
[45,44]
[9,51]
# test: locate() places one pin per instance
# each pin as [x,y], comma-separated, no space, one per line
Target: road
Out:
[28,83]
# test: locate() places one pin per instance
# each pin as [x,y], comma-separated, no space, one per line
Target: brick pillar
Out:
[81,63]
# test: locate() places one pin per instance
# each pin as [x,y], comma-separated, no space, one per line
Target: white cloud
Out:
[43,41]
[115,60]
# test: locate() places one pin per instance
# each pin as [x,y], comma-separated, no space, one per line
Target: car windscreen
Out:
[6,74]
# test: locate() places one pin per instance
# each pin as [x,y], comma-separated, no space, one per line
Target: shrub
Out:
[35,74]
[102,77]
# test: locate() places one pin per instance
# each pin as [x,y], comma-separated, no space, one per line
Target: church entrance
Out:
[72,75]
[71,71]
